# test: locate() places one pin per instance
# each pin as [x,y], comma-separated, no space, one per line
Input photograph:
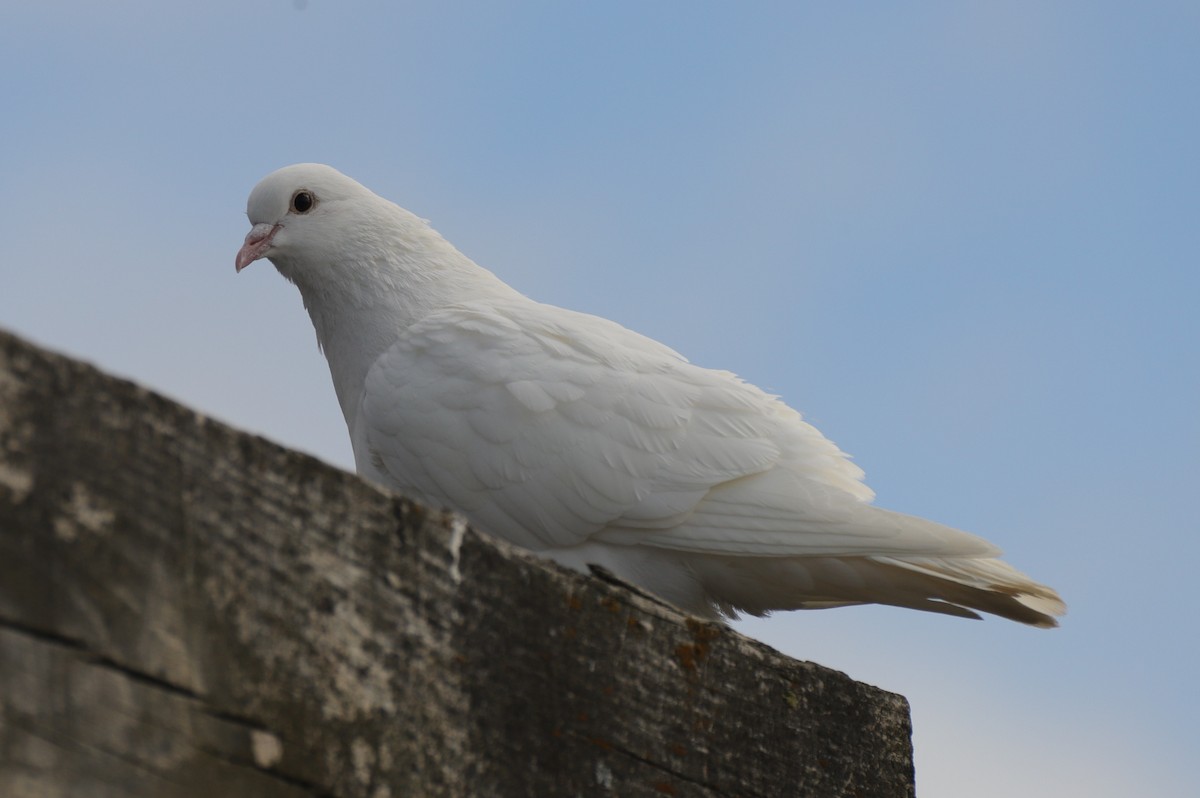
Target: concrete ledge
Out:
[188,610]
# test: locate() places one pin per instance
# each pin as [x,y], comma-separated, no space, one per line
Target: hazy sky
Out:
[960,237]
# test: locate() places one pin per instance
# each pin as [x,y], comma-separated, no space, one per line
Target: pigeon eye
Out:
[303,201]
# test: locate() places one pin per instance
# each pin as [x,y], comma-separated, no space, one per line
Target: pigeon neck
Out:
[373,302]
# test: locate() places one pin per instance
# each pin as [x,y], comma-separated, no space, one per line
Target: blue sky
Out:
[960,237]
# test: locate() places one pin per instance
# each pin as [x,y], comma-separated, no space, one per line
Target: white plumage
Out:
[588,443]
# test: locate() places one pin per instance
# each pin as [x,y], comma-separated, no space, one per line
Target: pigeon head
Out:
[364,266]
[295,212]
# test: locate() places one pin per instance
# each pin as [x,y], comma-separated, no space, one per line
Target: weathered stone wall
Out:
[187,610]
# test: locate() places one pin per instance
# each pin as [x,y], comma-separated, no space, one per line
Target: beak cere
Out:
[258,242]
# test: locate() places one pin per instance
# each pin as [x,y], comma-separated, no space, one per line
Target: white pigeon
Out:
[588,443]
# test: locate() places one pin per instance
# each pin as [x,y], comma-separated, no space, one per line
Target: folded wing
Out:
[556,429]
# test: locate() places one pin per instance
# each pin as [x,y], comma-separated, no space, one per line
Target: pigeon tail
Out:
[962,587]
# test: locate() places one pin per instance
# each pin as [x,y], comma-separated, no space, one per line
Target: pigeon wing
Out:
[552,428]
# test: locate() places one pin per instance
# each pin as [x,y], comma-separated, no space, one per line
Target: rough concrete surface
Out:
[187,610]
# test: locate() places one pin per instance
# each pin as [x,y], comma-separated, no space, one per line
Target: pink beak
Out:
[258,242]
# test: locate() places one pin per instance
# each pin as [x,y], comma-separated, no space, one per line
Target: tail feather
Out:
[988,585]
[959,586]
